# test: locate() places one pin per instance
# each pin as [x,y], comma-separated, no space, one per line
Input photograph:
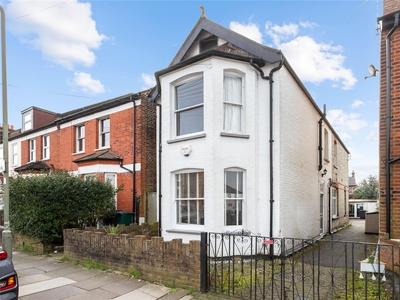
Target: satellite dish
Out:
[372,70]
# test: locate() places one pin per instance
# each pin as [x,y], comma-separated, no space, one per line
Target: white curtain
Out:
[232,103]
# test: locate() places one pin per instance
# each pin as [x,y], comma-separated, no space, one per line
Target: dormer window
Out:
[208,44]
[27,121]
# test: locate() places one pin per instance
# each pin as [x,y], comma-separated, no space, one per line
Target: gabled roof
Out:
[100,155]
[268,54]
[33,166]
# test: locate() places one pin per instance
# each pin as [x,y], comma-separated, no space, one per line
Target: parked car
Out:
[8,278]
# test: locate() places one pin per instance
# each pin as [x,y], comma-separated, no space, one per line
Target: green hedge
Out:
[42,206]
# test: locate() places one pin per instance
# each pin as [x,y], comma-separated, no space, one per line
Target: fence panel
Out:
[248,266]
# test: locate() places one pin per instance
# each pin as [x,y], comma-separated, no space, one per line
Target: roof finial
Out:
[203,14]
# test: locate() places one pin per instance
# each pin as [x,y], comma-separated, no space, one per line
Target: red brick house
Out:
[389,127]
[114,140]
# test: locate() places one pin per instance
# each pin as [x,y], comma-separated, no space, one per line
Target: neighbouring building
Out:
[352,184]
[114,140]
[389,120]
[243,146]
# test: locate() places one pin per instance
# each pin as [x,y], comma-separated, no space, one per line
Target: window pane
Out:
[184,186]
[190,121]
[230,209]
[183,211]
[201,211]
[193,185]
[201,185]
[193,211]
[189,94]
[230,184]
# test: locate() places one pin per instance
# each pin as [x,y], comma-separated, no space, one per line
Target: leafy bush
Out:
[42,206]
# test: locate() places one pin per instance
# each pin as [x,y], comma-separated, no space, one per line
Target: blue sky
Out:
[63,55]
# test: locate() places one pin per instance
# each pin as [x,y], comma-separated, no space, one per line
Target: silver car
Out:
[8,278]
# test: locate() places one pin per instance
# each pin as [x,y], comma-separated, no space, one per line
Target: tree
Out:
[42,206]
[367,189]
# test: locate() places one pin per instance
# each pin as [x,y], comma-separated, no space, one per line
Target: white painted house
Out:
[243,144]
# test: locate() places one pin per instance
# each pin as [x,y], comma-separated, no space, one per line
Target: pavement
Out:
[49,277]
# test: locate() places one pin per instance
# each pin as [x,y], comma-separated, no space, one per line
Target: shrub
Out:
[42,206]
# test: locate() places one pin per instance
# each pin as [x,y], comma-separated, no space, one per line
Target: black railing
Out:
[247,266]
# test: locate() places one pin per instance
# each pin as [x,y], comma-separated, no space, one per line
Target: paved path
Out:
[49,278]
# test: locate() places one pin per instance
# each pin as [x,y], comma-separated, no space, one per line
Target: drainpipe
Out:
[320,139]
[159,168]
[134,202]
[388,121]
[271,140]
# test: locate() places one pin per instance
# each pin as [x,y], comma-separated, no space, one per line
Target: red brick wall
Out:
[390,6]
[41,118]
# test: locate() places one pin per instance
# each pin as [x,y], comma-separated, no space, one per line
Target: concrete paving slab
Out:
[155,290]
[124,285]
[82,273]
[55,294]
[136,294]
[29,272]
[43,285]
[97,281]
[179,294]
[25,280]
[98,294]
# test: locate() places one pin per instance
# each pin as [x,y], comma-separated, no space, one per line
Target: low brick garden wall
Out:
[171,263]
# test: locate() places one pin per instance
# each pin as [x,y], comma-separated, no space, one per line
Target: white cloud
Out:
[64,32]
[345,123]
[357,103]
[374,134]
[278,33]
[317,62]
[148,80]
[251,30]
[87,83]
[312,61]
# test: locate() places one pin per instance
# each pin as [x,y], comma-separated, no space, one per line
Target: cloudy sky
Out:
[62,55]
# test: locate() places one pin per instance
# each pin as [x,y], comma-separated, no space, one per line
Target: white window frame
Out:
[80,138]
[189,193]
[335,196]
[233,103]
[46,147]
[234,202]
[27,122]
[104,133]
[14,154]
[32,150]
[112,177]
[181,111]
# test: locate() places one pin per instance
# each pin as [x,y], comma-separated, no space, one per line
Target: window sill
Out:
[335,218]
[235,135]
[102,148]
[76,153]
[183,231]
[187,138]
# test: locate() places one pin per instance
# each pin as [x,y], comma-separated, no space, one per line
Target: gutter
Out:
[388,121]
[271,140]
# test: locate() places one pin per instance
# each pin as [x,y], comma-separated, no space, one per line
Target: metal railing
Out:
[247,266]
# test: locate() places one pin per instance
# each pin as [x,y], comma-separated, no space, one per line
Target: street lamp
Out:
[6,235]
